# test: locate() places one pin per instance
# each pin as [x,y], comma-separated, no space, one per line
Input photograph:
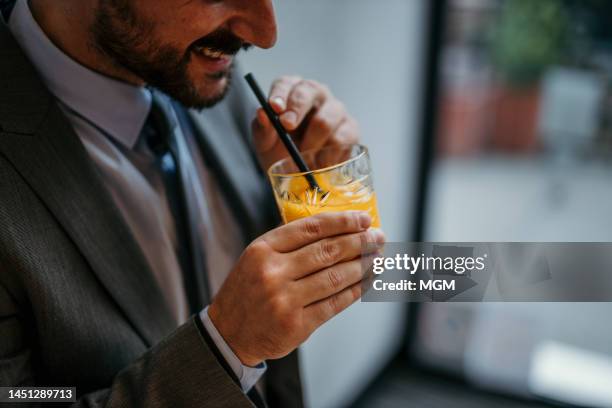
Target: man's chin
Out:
[216,85]
[209,92]
[215,91]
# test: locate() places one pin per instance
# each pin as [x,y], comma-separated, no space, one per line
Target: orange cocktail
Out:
[344,176]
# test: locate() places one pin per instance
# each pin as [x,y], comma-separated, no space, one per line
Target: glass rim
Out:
[363,152]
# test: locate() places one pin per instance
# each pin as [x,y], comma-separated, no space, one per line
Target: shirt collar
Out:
[119,108]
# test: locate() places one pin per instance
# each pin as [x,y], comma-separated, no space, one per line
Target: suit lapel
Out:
[227,160]
[42,146]
[57,168]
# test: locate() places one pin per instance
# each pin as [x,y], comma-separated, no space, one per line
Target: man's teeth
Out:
[210,53]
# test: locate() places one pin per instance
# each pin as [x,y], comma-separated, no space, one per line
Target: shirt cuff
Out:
[248,376]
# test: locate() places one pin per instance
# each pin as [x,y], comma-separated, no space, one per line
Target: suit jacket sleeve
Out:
[181,370]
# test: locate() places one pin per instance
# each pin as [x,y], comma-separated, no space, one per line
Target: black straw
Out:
[282,133]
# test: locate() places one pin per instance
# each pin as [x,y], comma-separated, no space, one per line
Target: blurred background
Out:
[487,120]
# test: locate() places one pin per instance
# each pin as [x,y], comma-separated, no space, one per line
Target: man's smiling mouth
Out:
[211,52]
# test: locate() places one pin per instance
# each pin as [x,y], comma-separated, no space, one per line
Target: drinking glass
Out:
[344,177]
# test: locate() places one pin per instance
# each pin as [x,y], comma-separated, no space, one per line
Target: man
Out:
[126,207]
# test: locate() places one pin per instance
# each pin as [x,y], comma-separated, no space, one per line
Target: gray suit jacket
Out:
[78,303]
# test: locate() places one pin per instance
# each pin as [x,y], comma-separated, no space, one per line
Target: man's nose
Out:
[256,23]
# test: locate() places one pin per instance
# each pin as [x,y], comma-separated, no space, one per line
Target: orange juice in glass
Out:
[344,176]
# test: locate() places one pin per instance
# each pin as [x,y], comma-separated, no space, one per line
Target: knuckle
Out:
[277,85]
[339,106]
[313,227]
[365,239]
[299,96]
[353,126]
[282,84]
[291,78]
[315,84]
[328,252]
[262,279]
[335,278]
[283,79]
[351,138]
[334,305]
[309,83]
[349,220]
[262,264]
[349,132]
[323,124]
[257,250]
[267,275]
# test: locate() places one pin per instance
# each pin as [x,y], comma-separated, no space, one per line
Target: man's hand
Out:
[290,281]
[311,114]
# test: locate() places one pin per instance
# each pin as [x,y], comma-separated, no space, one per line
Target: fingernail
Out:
[365,220]
[289,119]
[279,102]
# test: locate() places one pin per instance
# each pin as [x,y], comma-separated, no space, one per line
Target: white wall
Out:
[370,53]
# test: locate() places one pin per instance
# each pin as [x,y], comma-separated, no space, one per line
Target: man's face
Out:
[183,47]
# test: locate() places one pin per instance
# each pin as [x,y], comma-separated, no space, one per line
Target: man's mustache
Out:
[223,41]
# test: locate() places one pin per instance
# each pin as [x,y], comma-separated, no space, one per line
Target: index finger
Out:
[280,90]
[302,232]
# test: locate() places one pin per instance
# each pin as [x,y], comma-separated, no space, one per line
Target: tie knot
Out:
[162,121]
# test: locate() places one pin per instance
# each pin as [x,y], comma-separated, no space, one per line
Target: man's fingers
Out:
[330,251]
[323,124]
[318,313]
[329,281]
[346,134]
[280,91]
[304,231]
[304,97]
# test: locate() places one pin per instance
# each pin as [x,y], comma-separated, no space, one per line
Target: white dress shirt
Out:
[108,116]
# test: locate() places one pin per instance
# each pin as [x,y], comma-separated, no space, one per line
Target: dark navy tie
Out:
[160,133]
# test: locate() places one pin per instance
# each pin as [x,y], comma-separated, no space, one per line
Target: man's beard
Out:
[132,44]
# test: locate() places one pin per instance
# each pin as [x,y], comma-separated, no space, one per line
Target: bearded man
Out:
[140,254]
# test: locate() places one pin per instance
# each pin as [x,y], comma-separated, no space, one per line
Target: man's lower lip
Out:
[214,65]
